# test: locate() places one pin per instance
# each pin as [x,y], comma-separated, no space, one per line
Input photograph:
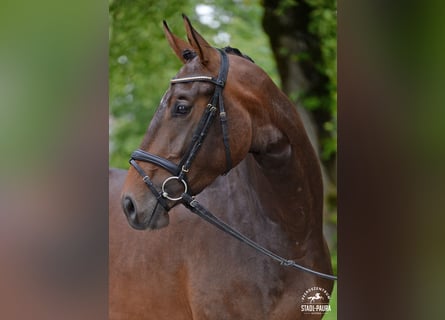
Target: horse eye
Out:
[181,109]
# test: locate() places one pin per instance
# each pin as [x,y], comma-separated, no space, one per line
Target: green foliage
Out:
[323,24]
[138,70]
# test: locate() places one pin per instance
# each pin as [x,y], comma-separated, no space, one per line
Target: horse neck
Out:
[287,173]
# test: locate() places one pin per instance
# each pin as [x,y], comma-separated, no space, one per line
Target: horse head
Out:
[184,150]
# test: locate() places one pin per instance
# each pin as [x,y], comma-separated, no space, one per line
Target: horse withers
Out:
[226,135]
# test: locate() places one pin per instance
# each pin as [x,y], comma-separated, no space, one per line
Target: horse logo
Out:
[317,296]
[315,300]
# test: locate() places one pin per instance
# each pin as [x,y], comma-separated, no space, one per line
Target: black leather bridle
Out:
[179,172]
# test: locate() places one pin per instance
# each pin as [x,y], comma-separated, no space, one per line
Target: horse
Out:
[253,167]
[317,296]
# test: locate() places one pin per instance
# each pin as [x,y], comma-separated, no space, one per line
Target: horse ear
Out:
[177,44]
[205,51]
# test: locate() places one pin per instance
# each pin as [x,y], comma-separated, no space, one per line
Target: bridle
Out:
[179,171]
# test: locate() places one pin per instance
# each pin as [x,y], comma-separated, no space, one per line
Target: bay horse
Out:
[253,167]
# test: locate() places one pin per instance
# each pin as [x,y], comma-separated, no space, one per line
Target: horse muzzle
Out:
[152,216]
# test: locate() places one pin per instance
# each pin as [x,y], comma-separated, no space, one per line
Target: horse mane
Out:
[236,52]
[188,54]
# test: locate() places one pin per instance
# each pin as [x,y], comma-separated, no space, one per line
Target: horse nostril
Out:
[129,208]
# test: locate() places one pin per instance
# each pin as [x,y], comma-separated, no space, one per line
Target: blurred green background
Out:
[293,41]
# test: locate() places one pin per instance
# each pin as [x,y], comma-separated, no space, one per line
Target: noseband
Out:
[179,172]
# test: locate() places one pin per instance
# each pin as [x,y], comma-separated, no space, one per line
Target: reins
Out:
[179,172]
[205,214]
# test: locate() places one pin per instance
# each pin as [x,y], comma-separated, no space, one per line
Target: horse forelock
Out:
[188,54]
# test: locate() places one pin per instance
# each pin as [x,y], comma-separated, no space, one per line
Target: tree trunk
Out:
[297,53]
